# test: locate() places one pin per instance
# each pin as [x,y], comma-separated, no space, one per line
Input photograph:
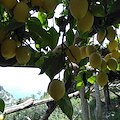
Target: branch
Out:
[30,103]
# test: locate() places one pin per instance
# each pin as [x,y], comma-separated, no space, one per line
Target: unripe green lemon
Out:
[9,4]
[95,60]
[56,89]
[74,54]
[90,49]
[23,54]
[102,78]
[85,24]
[112,63]
[111,33]
[78,8]
[21,12]
[8,48]
[112,45]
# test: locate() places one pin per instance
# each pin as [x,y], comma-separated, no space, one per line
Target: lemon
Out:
[103,65]
[49,5]
[9,4]
[95,60]
[116,54]
[56,89]
[100,36]
[74,54]
[8,48]
[21,12]
[85,24]
[83,52]
[102,78]
[1,116]
[97,10]
[112,45]
[111,33]
[112,63]
[38,3]
[23,54]
[26,1]
[78,8]
[90,49]
[107,56]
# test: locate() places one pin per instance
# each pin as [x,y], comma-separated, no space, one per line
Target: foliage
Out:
[46,54]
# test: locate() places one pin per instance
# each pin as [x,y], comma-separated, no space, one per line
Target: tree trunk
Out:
[84,104]
[107,96]
[98,111]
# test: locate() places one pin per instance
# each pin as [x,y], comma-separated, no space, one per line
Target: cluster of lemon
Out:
[110,34]
[75,54]
[79,10]
[11,47]
[20,10]
[56,89]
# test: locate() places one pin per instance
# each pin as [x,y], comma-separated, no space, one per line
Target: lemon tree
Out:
[78,37]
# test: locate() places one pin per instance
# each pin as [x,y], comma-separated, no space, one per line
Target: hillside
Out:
[7,97]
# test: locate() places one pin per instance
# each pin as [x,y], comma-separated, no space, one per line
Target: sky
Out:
[22,82]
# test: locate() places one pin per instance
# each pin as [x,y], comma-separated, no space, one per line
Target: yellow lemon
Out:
[112,45]
[109,55]
[38,3]
[111,33]
[1,116]
[102,78]
[56,89]
[23,54]
[21,12]
[78,8]
[74,54]
[85,24]
[100,36]
[116,54]
[83,52]
[112,63]
[95,60]
[9,4]
[103,65]
[8,48]
[90,49]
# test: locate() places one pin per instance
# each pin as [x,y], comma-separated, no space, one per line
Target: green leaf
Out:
[36,28]
[53,65]
[80,83]
[13,25]
[87,94]
[2,105]
[66,106]
[54,36]
[70,37]
[92,79]
[43,19]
